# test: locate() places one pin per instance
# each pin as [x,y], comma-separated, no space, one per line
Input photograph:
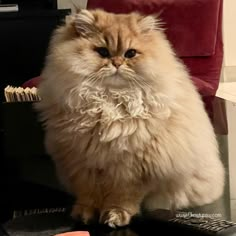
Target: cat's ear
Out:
[150,23]
[84,22]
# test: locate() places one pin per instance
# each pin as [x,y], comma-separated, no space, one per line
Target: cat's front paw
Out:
[86,214]
[115,217]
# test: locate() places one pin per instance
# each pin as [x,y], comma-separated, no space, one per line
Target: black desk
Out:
[57,223]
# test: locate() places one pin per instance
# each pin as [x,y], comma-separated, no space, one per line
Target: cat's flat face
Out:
[112,50]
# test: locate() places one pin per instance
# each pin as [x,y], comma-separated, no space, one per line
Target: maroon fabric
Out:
[32,82]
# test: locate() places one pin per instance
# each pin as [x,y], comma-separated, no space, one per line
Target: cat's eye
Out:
[103,52]
[130,53]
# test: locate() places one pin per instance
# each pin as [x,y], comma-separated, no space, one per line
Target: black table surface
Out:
[53,222]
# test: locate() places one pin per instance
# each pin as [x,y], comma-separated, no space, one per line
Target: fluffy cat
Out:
[123,121]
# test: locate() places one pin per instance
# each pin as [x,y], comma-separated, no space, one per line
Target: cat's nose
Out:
[117,61]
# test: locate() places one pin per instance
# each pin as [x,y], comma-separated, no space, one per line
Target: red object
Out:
[75,233]
[32,82]
[194,27]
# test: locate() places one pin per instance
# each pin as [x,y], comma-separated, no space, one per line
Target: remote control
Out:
[182,222]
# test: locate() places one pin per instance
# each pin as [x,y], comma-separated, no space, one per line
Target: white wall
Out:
[229,30]
[63,4]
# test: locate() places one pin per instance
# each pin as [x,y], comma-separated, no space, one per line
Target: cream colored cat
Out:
[123,120]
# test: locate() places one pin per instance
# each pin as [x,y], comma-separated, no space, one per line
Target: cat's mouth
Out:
[115,77]
[115,80]
[115,72]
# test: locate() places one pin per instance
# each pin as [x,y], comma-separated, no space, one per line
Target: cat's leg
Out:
[120,204]
[197,190]
[88,200]
[85,208]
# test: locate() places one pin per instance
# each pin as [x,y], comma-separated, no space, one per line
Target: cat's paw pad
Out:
[86,214]
[115,217]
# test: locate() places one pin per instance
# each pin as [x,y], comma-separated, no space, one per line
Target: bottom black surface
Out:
[50,224]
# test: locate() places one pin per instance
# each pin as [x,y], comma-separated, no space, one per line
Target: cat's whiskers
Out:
[102,74]
[131,75]
[135,81]
[131,84]
[90,78]
[142,80]
[102,79]
[94,81]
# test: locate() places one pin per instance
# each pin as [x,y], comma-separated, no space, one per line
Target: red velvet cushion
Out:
[32,82]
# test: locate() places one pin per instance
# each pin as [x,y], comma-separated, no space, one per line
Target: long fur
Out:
[128,137]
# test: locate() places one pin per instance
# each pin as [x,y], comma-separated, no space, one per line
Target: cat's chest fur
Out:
[110,127]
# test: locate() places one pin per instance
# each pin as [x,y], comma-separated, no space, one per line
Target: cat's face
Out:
[111,50]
